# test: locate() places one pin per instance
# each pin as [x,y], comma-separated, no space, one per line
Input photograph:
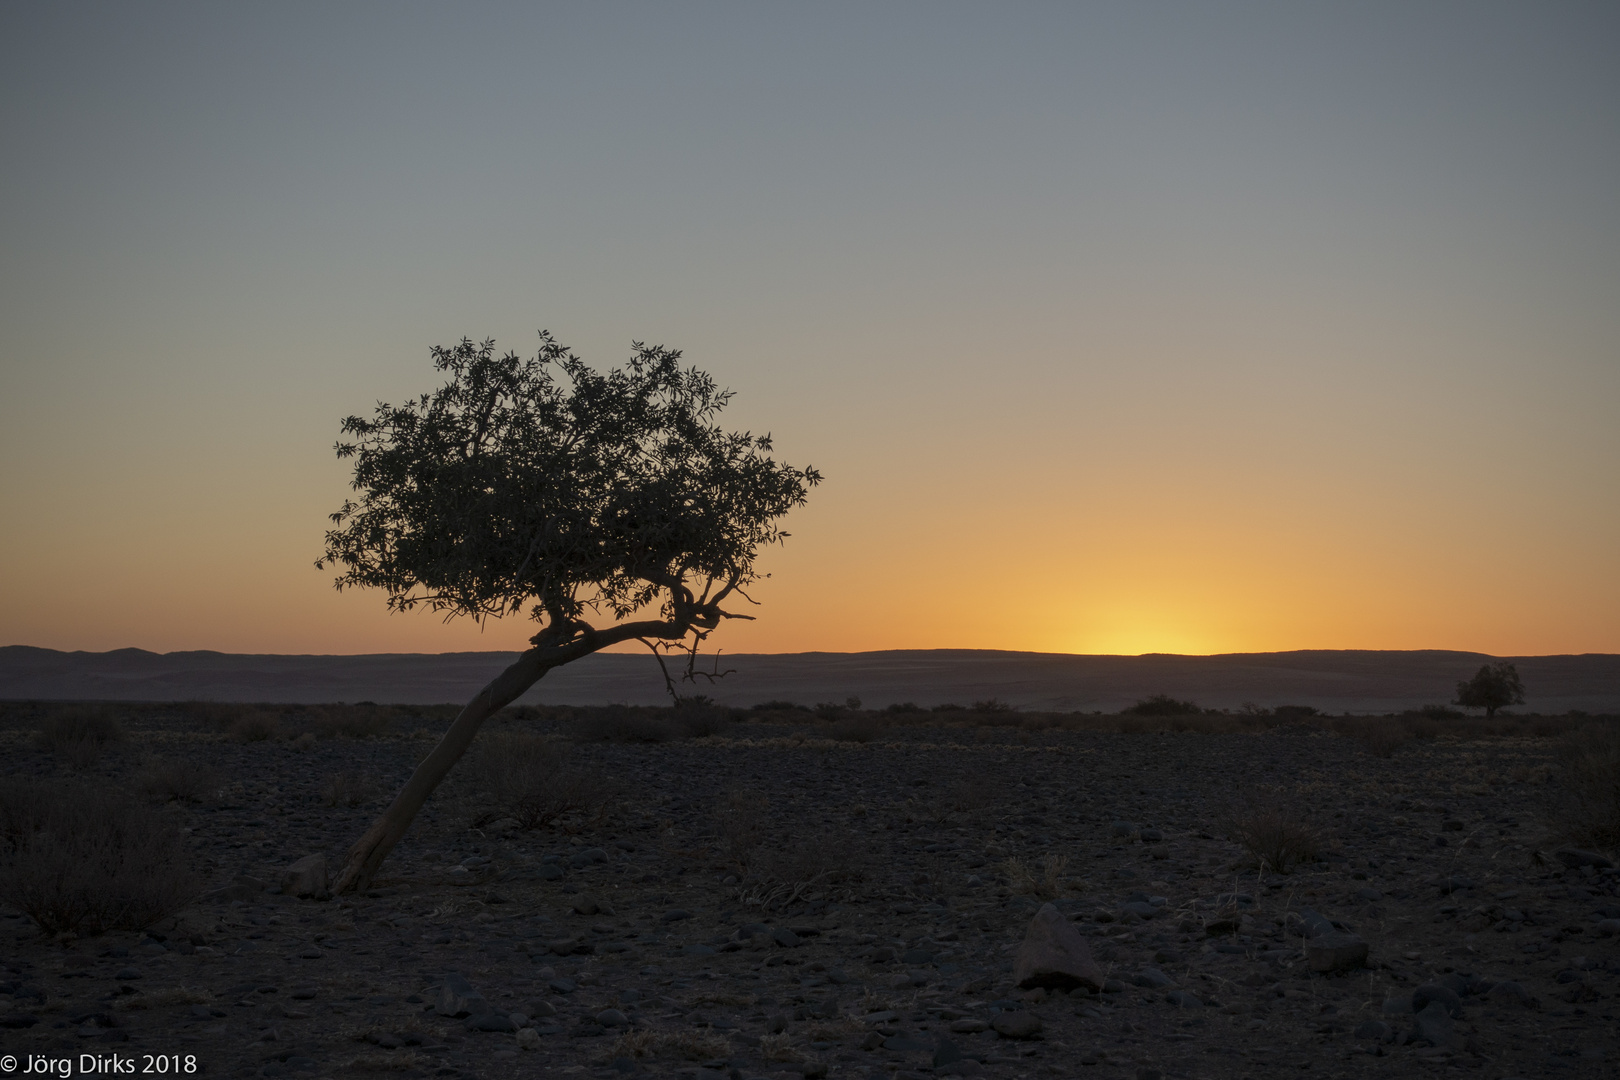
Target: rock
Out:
[1449,885]
[964,1067]
[1370,895]
[1152,978]
[127,974]
[1151,836]
[1017,1025]
[491,1021]
[675,915]
[786,938]
[1400,1005]
[946,1052]
[541,1008]
[1575,858]
[1374,1031]
[697,950]
[1435,1025]
[1607,927]
[1335,951]
[585,904]
[1140,908]
[968,1025]
[1509,993]
[305,878]
[458,998]
[528,1039]
[1183,999]
[1054,955]
[1424,995]
[549,871]
[612,1018]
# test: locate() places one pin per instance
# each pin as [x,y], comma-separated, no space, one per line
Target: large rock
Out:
[1054,955]
[458,998]
[1335,951]
[1017,1025]
[306,877]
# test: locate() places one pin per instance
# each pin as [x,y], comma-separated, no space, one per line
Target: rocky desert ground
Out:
[782,893]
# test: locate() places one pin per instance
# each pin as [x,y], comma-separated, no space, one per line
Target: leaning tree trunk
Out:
[368,854]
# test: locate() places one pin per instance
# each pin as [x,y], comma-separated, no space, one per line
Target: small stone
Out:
[675,915]
[126,974]
[1435,1025]
[1151,836]
[1607,927]
[1450,885]
[1152,978]
[946,1052]
[491,1022]
[1335,951]
[1183,999]
[1140,908]
[611,1018]
[528,1039]
[1054,955]
[305,878]
[1017,1025]
[697,950]
[584,904]
[1368,894]
[786,938]
[968,1025]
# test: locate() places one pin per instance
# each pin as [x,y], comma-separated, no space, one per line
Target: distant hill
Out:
[1334,681]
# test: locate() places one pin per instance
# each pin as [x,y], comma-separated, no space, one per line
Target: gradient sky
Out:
[1129,327]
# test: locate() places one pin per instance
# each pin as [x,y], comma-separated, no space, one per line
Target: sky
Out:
[1114,328]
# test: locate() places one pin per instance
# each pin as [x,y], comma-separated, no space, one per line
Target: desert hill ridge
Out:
[1359,681]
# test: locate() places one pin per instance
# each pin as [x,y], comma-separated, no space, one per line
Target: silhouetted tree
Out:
[1494,686]
[542,484]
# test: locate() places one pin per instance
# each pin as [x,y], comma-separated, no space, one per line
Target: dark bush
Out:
[1294,712]
[622,724]
[1162,705]
[775,706]
[89,860]
[903,707]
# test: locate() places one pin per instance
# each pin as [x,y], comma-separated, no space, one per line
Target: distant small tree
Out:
[1494,686]
[542,484]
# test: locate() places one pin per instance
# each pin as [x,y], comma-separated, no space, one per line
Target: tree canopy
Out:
[543,483]
[1492,687]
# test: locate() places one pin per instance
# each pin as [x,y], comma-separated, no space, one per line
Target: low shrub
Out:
[1049,883]
[1161,705]
[1380,735]
[1277,834]
[87,859]
[176,780]
[77,735]
[860,728]
[622,724]
[255,725]
[1590,775]
[534,781]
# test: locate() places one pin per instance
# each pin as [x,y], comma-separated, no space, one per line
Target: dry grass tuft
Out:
[1277,834]
[86,859]
[78,734]
[1050,884]
[1590,760]
[664,1043]
[172,780]
[856,728]
[779,1048]
[532,780]
[349,790]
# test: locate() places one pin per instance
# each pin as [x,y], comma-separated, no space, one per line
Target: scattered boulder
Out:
[1335,951]
[528,1039]
[305,878]
[491,1021]
[1054,955]
[1374,1031]
[1510,993]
